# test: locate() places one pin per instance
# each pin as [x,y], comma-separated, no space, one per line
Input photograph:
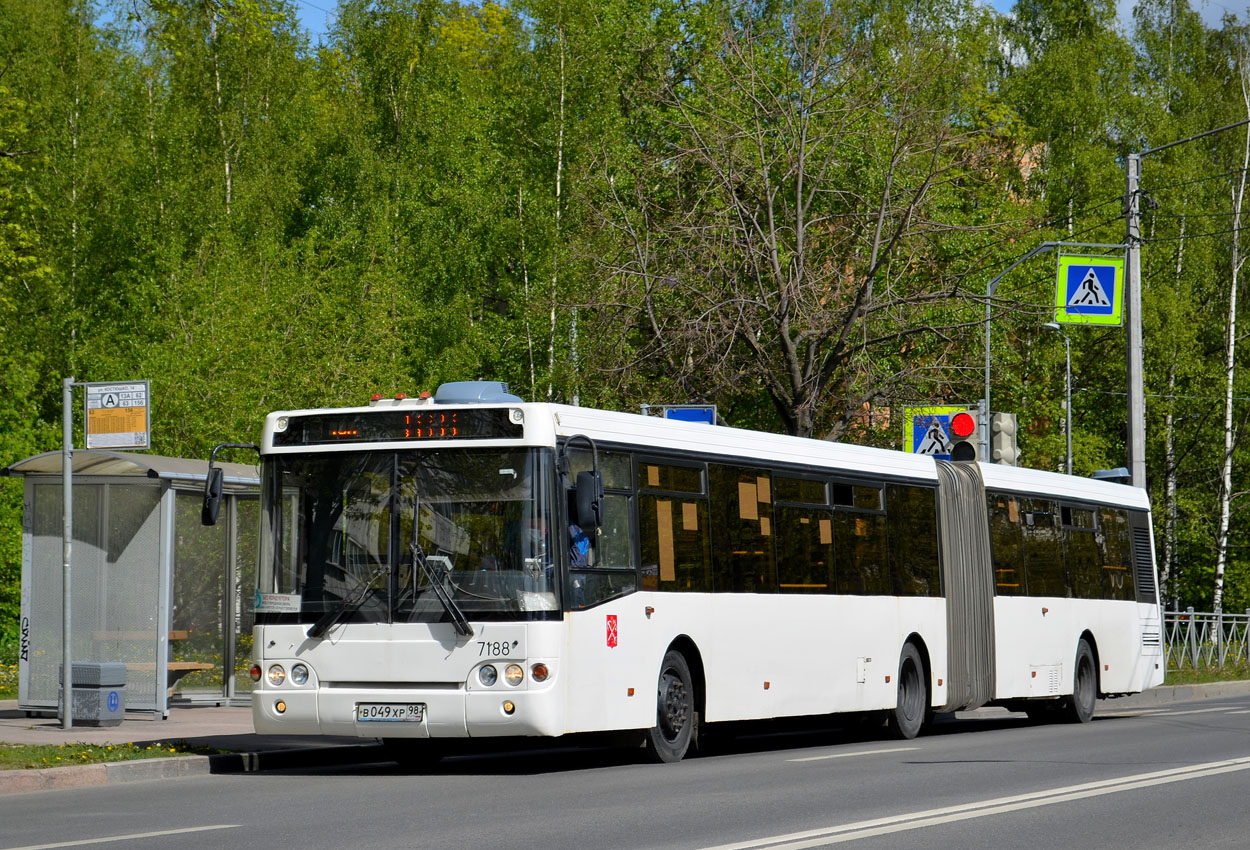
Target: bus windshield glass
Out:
[342,530]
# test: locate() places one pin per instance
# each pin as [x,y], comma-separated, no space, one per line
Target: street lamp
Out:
[1067,382]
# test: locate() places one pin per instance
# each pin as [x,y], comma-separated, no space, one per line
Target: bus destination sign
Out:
[394,426]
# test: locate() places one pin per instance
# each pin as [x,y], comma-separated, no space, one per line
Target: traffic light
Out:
[966,435]
[1003,439]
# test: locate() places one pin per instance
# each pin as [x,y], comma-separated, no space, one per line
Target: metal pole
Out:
[67,546]
[1133,319]
[1067,391]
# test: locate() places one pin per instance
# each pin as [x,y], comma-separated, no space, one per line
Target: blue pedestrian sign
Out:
[1089,290]
[927,430]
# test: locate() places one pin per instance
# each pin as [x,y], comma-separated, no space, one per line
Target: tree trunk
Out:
[1230,352]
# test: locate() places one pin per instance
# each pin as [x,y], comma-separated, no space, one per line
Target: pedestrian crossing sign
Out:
[1089,290]
[927,430]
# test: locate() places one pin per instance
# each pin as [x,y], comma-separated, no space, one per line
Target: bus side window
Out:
[1081,552]
[1116,555]
[1043,549]
[804,532]
[911,527]
[742,530]
[861,565]
[673,528]
[1007,545]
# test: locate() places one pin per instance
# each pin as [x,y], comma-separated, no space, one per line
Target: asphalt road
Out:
[1164,777]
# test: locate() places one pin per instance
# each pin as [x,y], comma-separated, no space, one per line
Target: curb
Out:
[146,770]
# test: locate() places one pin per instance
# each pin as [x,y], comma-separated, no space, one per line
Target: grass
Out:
[28,756]
[8,681]
[1202,675]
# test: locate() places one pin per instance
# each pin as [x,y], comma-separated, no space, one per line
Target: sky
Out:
[316,15]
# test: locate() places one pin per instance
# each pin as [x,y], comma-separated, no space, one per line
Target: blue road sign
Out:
[1088,290]
[692,413]
[927,430]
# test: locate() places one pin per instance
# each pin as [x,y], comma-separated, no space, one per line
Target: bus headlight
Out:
[513,674]
[299,674]
[254,672]
[539,672]
[276,675]
[488,675]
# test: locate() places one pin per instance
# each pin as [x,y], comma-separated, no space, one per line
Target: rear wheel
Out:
[1079,707]
[669,740]
[909,714]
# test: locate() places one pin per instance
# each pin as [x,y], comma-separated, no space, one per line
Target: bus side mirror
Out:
[589,497]
[212,496]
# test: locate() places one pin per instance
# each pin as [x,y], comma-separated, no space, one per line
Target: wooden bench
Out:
[174,670]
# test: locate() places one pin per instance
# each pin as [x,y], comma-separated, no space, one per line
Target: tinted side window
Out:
[861,566]
[742,529]
[673,529]
[804,549]
[1043,548]
[911,522]
[1007,545]
[1117,560]
[1081,552]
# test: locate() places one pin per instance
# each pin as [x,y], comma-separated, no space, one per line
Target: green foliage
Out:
[569,196]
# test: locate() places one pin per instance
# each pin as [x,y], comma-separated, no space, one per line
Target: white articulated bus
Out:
[469,565]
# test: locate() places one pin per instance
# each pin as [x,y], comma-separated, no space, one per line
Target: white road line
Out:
[1243,711]
[852,755]
[1191,711]
[984,808]
[131,837]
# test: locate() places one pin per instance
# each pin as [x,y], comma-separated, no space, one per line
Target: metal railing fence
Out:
[1196,639]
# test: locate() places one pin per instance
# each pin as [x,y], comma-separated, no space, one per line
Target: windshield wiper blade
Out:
[449,605]
[350,604]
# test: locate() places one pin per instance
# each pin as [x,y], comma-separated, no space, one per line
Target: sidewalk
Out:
[230,728]
[226,728]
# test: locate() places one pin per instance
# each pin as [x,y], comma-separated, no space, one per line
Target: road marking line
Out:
[851,755]
[984,808]
[130,837]
[1191,711]
[1243,711]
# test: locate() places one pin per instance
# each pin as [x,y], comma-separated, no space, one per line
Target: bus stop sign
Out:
[117,415]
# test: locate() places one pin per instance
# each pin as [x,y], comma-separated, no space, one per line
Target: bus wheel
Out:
[669,739]
[415,753]
[909,714]
[1079,707]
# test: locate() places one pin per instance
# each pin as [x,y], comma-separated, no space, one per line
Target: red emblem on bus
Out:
[612,632]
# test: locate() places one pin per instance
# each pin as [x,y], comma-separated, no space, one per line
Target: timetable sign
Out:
[117,415]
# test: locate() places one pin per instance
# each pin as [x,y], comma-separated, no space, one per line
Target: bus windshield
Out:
[341,530]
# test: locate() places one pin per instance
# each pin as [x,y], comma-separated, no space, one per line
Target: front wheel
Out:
[1079,707]
[670,738]
[909,714]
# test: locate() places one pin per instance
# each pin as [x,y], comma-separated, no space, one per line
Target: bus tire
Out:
[1079,708]
[669,740]
[912,708]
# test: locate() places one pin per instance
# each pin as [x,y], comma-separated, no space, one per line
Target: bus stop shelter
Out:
[152,587]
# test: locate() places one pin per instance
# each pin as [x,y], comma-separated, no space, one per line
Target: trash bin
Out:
[99,693]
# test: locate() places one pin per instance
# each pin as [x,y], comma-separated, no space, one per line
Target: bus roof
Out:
[546,423]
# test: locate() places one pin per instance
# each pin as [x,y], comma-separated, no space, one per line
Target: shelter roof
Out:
[98,462]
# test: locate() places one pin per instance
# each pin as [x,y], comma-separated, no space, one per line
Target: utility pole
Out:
[1132,304]
[1132,318]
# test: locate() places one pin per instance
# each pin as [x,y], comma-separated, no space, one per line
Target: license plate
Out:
[390,712]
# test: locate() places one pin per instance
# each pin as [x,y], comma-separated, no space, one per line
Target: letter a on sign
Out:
[612,632]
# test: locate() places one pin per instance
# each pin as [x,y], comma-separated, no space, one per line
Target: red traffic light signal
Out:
[963,425]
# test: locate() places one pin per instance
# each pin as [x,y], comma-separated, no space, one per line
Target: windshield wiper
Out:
[449,605]
[349,605]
